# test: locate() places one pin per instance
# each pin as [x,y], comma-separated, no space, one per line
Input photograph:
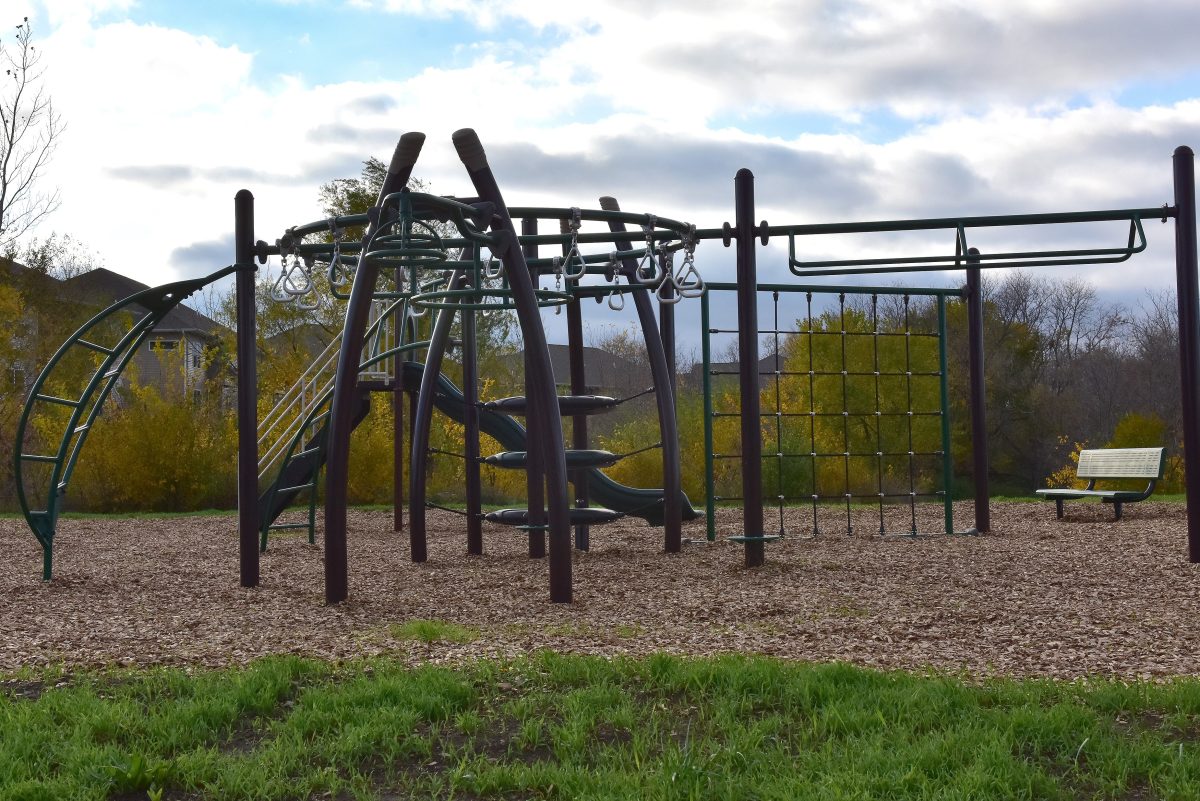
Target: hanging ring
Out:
[277,293]
[493,273]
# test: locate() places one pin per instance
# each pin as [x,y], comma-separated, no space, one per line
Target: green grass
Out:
[553,726]
[433,631]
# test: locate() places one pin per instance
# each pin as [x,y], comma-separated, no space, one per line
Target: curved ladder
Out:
[109,343]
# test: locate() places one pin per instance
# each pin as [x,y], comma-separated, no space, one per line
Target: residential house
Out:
[605,373]
[177,353]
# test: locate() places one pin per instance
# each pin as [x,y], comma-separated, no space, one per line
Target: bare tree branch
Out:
[29,131]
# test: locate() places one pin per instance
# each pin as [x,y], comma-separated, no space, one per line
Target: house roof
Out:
[19,272]
[103,287]
[311,338]
[602,369]
[766,364]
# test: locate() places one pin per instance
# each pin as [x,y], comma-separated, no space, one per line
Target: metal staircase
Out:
[293,437]
[280,426]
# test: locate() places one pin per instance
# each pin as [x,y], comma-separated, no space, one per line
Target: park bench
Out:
[1115,464]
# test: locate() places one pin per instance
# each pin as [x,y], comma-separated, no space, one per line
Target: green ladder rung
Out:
[35,457]
[61,401]
[281,526]
[112,372]
[297,488]
[80,428]
[761,538]
[307,452]
[95,347]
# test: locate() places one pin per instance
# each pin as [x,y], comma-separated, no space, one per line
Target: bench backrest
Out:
[1121,463]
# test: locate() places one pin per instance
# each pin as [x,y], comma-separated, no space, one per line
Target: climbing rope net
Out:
[854,406]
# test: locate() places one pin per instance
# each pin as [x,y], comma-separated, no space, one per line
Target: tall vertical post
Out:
[579,422]
[710,491]
[664,398]
[535,474]
[1188,291]
[247,388]
[470,366]
[666,327]
[397,423]
[747,283]
[345,398]
[944,399]
[979,437]
[543,398]
[398,449]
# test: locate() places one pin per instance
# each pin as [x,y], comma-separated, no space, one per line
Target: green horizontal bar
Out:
[60,401]
[838,289]
[935,223]
[93,346]
[596,215]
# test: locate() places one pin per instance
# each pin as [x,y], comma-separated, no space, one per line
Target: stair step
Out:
[576,459]
[592,515]
[567,405]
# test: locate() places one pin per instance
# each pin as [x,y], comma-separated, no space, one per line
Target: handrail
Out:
[318,377]
[382,343]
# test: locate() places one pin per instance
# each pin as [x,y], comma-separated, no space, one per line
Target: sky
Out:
[851,110]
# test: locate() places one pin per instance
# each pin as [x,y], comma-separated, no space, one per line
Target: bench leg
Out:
[1058,505]
[1117,509]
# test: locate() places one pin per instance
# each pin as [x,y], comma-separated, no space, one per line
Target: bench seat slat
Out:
[1068,494]
[1121,463]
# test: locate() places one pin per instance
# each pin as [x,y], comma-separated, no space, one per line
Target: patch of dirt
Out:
[1038,596]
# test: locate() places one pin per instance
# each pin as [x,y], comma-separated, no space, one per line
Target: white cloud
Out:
[916,58]
[165,126]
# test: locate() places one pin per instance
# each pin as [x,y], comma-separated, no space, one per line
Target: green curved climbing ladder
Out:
[69,394]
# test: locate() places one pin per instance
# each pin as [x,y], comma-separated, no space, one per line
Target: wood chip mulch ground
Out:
[1038,596]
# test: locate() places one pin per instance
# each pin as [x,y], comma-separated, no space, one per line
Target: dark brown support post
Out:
[397,429]
[747,300]
[666,328]
[579,422]
[663,397]
[345,386]
[543,396]
[419,451]
[247,388]
[535,474]
[1188,291]
[979,436]
[470,366]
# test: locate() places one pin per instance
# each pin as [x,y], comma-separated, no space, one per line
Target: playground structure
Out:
[409,264]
